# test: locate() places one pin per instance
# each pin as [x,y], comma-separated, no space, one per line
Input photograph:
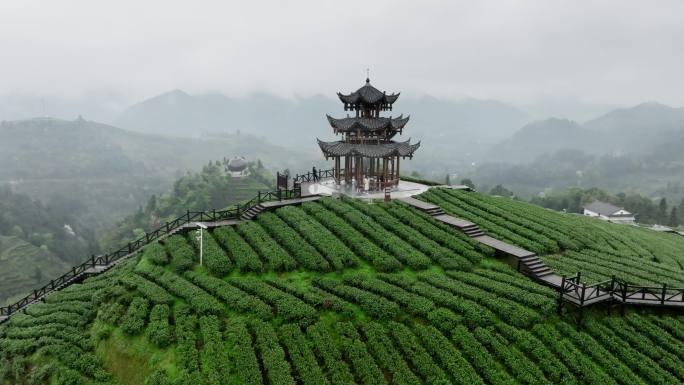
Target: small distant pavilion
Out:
[367,156]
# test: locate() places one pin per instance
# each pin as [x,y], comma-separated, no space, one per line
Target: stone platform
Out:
[329,188]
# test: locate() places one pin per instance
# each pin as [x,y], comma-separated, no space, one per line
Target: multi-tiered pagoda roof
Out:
[382,150]
[368,134]
[354,124]
[368,96]
[367,156]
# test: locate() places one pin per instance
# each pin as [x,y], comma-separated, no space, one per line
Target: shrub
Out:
[301,356]
[246,259]
[243,353]
[199,299]
[158,330]
[182,254]
[134,320]
[234,297]
[326,348]
[156,253]
[273,357]
[213,257]
[374,305]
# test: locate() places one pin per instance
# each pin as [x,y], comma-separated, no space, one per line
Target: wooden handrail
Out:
[617,290]
[149,237]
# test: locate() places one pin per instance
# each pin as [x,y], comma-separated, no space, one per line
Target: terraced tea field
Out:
[343,292]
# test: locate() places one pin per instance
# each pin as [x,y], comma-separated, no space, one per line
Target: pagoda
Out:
[367,156]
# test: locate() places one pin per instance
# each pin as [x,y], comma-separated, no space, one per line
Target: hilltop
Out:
[342,291]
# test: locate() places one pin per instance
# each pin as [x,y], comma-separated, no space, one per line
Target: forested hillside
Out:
[210,188]
[37,242]
[102,173]
[342,291]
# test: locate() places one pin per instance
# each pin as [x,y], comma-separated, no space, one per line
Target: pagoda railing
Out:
[169,228]
[319,175]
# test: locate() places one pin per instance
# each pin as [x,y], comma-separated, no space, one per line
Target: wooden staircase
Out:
[533,265]
[252,212]
[472,230]
[435,211]
[527,262]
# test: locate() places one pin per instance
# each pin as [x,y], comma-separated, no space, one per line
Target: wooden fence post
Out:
[624,298]
[559,308]
[662,299]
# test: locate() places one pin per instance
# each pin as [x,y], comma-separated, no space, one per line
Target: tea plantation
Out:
[346,292]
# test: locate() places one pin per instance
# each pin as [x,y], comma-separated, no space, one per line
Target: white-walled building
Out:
[608,212]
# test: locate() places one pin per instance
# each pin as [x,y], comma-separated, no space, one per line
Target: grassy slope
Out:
[441,311]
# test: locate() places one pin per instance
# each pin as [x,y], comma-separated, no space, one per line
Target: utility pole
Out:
[200,231]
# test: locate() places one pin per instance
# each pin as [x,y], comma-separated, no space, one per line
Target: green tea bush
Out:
[133,321]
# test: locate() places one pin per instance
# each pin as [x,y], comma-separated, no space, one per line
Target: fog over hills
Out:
[635,130]
[291,121]
[103,172]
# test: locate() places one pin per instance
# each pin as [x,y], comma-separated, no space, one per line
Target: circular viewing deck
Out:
[328,187]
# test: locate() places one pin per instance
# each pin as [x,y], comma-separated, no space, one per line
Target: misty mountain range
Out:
[638,130]
[456,135]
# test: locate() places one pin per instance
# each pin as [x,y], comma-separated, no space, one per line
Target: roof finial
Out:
[367,75]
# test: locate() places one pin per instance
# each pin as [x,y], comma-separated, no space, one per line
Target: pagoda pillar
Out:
[398,174]
[337,170]
[370,167]
[392,170]
[384,171]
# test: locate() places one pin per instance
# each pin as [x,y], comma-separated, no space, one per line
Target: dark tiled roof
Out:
[340,148]
[237,164]
[603,208]
[368,95]
[367,124]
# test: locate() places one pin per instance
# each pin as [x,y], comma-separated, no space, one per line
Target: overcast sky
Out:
[616,52]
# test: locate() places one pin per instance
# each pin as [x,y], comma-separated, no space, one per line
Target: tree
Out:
[662,211]
[674,218]
[468,182]
[501,191]
[447,181]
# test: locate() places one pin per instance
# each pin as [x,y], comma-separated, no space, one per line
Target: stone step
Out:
[540,271]
[550,272]
[473,231]
[534,264]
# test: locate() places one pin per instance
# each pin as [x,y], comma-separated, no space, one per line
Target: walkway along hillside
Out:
[570,290]
[99,264]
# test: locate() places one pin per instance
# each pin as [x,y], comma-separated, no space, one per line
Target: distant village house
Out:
[609,212]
